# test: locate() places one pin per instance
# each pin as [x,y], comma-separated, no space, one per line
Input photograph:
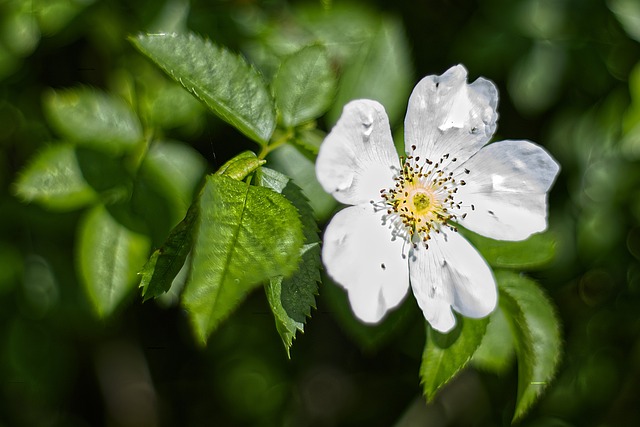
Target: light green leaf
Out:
[534,252]
[245,235]
[90,117]
[292,298]
[109,257]
[380,71]
[224,81]
[241,165]
[496,353]
[536,329]
[54,179]
[445,355]
[304,86]
[165,263]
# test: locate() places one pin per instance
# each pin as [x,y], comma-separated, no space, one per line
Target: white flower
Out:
[400,229]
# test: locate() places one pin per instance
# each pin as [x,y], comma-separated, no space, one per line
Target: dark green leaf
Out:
[293,163]
[368,337]
[90,117]
[54,179]
[292,298]
[226,84]
[536,251]
[109,257]
[446,354]
[107,174]
[496,352]
[536,329]
[380,71]
[241,165]
[165,185]
[165,263]
[304,86]
[245,235]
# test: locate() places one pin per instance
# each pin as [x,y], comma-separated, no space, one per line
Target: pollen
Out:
[422,199]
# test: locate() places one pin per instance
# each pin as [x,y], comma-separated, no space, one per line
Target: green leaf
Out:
[369,337]
[304,86]
[291,162]
[536,329]
[226,84]
[164,187]
[446,354]
[245,235]
[165,263]
[241,165]
[496,353]
[54,179]
[380,71]
[90,117]
[534,252]
[109,257]
[292,298]
[106,174]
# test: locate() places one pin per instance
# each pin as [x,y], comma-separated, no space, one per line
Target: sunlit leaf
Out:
[381,71]
[304,86]
[167,261]
[109,258]
[245,235]
[536,330]
[90,117]
[536,251]
[54,179]
[446,354]
[224,81]
[292,298]
[241,165]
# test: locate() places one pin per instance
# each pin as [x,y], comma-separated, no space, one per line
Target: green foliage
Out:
[54,179]
[380,70]
[89,117]
[165,263]
[536,330]
[446,354]
[304,85]
[239,225]
[496,352]
[534,252]
[241,165]
[226,84]
[109,258]
[291,298]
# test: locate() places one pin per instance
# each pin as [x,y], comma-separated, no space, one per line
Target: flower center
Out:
[423,198]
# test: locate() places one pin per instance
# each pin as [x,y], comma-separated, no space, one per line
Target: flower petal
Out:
[451,273]
[360,255]
[448,116]
[507,185]
[358,159]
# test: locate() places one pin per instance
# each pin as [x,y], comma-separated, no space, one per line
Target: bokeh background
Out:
[568,72]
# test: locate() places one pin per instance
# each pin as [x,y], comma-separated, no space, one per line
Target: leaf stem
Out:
[282,139]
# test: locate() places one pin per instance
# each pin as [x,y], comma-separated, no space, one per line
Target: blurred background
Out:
[568,72]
